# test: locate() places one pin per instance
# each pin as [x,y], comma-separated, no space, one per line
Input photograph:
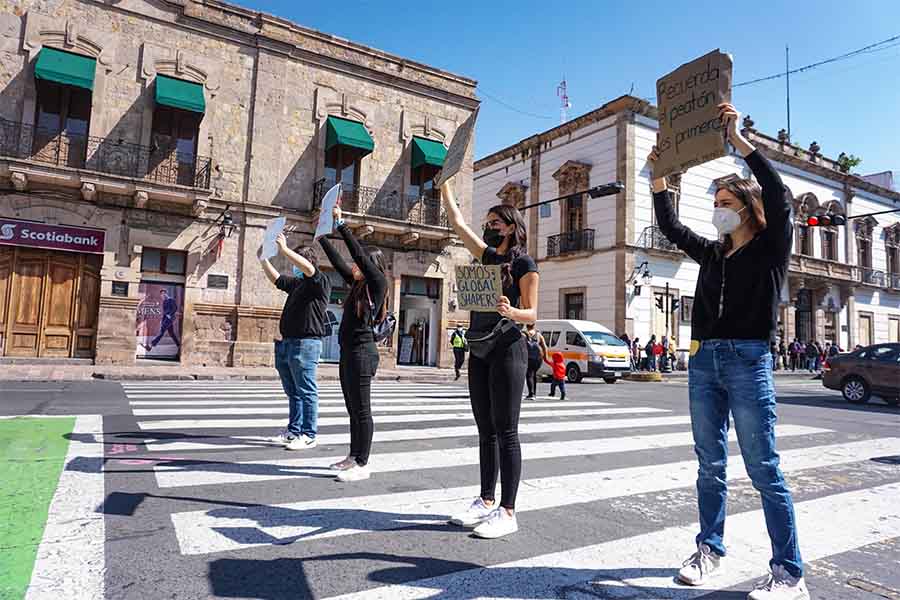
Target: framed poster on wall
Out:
[159,318]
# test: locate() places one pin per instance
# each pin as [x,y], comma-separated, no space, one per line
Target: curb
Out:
[205,377]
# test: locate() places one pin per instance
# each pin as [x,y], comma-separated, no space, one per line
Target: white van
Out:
[589,349]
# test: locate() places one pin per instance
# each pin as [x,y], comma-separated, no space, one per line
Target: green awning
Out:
[427,152]
[65,67]
[344,132]
[177,93]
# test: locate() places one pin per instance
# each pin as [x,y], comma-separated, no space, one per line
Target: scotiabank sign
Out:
[51,237]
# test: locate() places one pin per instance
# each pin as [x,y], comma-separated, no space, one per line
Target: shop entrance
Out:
[48,303]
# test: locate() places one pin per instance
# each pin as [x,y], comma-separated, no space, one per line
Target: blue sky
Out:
[519,51]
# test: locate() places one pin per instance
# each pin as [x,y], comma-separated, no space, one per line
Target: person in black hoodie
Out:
[364,306]
[496,381]
[733,321]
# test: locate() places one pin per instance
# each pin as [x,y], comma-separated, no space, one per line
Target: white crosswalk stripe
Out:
[600,443]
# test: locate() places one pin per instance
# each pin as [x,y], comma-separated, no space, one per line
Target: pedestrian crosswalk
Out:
[605,502]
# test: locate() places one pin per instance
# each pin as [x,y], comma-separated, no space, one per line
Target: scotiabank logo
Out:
[51,237]
[7,232]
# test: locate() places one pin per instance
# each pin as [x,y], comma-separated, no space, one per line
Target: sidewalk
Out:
[38,371]
[782,374]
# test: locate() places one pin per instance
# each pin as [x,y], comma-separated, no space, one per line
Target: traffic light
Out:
[825,220]
[675,303]
[659,303]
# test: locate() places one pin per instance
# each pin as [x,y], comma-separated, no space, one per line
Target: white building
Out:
[595,254]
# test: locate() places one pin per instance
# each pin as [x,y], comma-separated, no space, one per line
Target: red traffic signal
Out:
[825,220]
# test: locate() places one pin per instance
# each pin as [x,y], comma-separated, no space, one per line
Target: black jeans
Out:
[562,387]
[459,358]
[495,389]
[531,377]
[357,368]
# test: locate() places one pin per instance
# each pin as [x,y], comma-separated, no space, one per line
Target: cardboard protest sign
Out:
[456,153]
[269,249]
[479,287]
[326,218]
[690,132]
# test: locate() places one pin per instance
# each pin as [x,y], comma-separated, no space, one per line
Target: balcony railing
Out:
[570,242]
[361,200]
[894,281]
[872,277]
[103,155]
[652,238]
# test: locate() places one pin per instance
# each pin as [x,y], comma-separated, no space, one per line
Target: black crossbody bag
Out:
[505,334]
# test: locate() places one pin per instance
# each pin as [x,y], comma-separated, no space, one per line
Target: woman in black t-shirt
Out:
[496,382]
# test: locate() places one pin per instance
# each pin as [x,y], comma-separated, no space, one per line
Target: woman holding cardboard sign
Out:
[730,370]
[498,359]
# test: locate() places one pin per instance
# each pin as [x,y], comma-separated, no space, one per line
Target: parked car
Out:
[874,370]
[589,349]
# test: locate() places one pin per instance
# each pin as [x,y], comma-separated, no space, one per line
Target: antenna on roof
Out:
[564,104]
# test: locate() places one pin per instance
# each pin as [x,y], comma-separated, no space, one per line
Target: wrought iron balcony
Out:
[103,155]
[873,277]
[652,238]
[894,281]
[570,242]
[421,210]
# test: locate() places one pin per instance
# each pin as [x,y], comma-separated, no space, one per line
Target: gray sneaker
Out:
[700,566]
[780,585]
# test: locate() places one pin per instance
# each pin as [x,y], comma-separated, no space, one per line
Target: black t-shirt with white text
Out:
[304,312]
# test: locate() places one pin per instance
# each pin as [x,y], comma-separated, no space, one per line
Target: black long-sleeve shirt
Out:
[356,330]
[737,296]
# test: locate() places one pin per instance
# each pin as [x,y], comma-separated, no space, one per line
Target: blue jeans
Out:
[736,376]
[296,360]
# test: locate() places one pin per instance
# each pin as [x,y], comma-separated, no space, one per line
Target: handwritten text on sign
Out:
[690,132]
[479,287]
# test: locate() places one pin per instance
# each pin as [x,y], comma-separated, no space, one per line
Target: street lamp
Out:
[642,271]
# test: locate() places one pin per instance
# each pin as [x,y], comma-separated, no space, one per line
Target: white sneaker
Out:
[283,438]
[354,473]
[780,585]
[301,443]
[697,569]
[344,464]
[499,524]
[477,513]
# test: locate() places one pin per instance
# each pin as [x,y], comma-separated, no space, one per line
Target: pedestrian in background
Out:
[537,352]
[559,375]
[302,327]
[459,345]
[733,321]
[364,307]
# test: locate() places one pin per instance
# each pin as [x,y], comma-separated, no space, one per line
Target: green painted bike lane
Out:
[32,453]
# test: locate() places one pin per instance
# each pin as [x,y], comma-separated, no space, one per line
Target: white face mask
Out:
[726,220]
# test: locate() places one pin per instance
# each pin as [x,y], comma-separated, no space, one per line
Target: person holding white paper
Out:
[497,377]
[733,322]
[302,327]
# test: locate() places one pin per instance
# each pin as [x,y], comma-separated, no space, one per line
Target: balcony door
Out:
[62,122]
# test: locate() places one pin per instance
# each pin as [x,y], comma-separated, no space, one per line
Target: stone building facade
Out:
[177,130]
[605,260]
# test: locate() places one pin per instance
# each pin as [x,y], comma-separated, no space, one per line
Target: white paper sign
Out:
[326,216]
[456,153]
[269,249]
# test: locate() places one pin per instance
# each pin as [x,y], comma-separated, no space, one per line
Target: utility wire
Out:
[511,107]
[871,48]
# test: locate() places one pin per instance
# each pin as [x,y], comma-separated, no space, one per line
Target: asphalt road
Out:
[197,504]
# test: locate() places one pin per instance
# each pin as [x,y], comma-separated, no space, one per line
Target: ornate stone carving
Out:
[572,177]
[140,199]
[805,205]
[161,60]
[512,194]
[864,228]
[19,181]
[198,208]
[89,192]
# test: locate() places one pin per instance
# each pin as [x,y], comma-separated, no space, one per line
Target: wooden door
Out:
[6,269]
[25,307]
[59,305]
[88,307]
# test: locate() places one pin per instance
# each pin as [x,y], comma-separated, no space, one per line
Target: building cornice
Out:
[272,32]
[523,148]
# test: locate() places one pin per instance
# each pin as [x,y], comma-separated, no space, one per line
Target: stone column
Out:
[116,344]
[851,316]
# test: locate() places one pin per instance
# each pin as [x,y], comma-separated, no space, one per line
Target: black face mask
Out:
[493,238]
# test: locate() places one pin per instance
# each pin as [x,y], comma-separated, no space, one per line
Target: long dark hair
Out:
[748,192]
[518,241]
[359,297]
